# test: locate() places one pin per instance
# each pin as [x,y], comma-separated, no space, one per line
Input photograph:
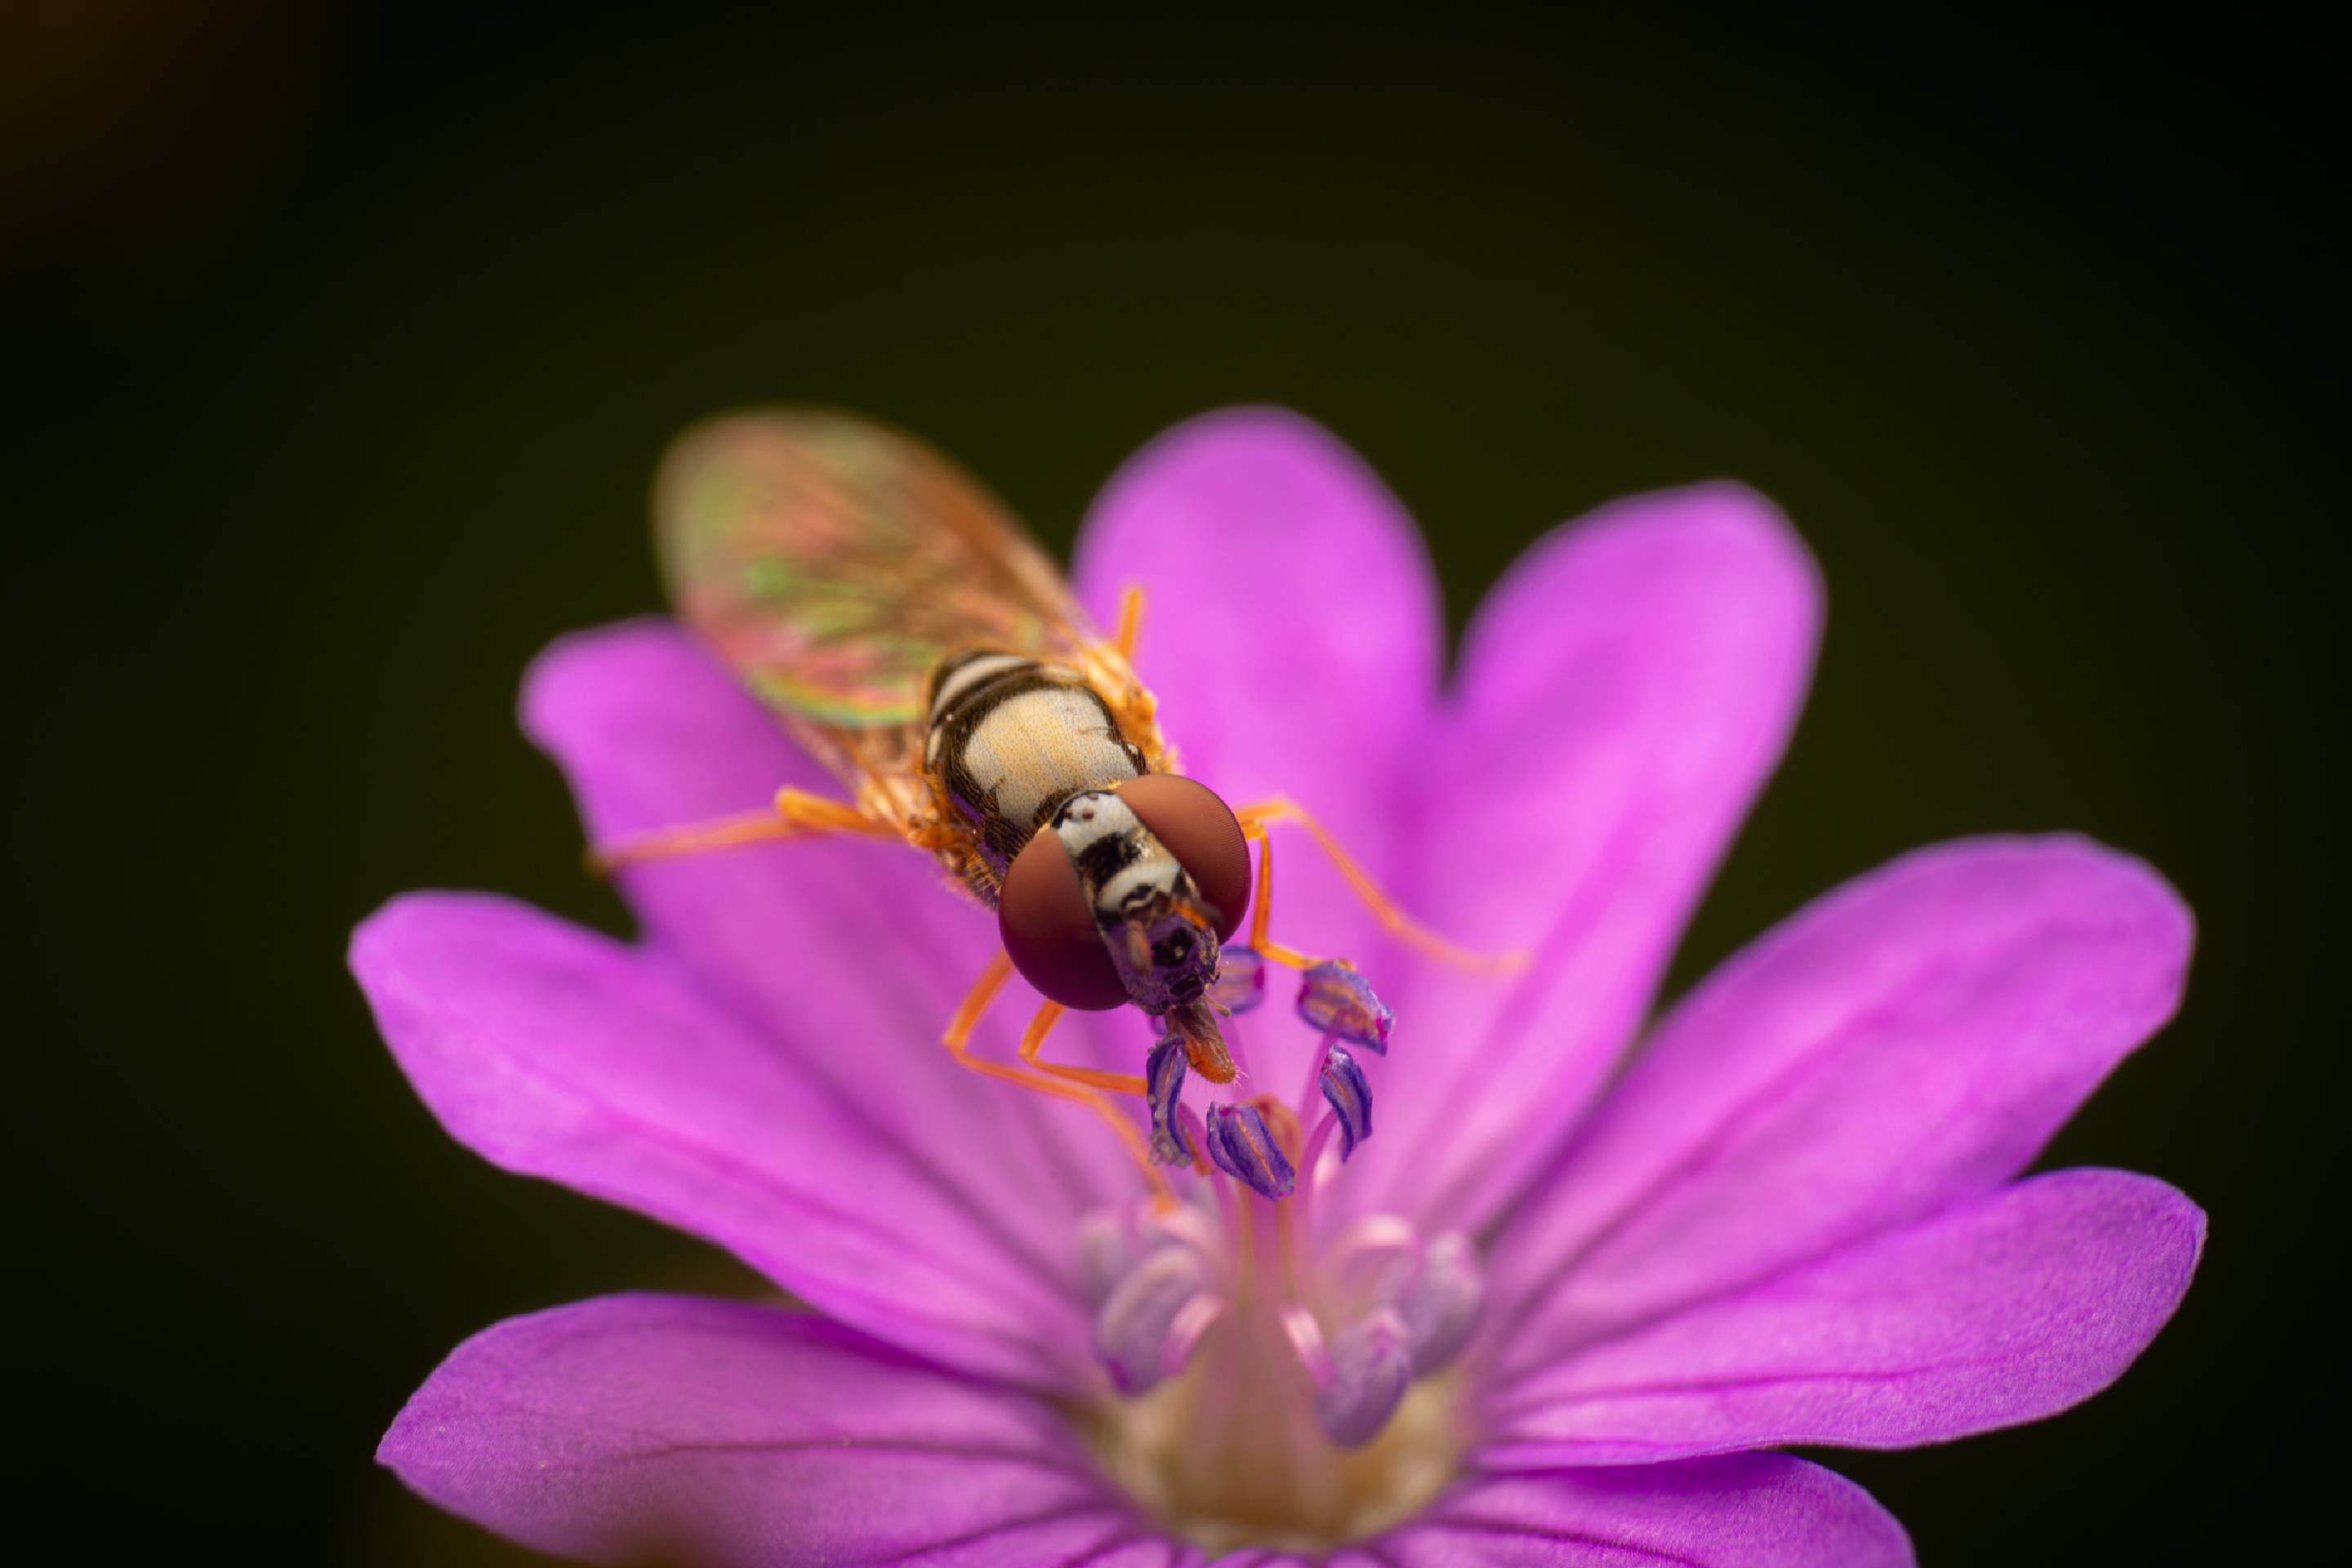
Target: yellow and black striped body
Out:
[1010,740]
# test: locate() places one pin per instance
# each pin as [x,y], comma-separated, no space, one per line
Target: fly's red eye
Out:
[1048,931]
[1199,829]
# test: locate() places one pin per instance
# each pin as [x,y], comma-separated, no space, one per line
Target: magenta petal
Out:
[2007,1309]
[852,953]
[1292,634]
[1622,696]
[1754,1510]
[557,1052]
[664,1428]
[1908,1042]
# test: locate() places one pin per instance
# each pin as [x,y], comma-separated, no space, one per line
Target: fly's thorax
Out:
[1010,740]
[1161,938]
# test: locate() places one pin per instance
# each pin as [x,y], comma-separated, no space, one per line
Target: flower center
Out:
[1224,1467]
[1278,1386]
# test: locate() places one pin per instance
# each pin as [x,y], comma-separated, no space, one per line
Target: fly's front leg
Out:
[1256,819]
[1033,1041]
[1261,903]
[958,1041]
[796,813]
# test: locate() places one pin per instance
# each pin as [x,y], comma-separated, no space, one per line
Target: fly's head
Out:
[1128,896]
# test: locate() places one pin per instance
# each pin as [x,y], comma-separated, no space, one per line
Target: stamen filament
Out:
[1311,1168]
[1237,1225]
[1311,1090]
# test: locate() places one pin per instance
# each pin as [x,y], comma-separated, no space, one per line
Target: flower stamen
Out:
[1242,1147]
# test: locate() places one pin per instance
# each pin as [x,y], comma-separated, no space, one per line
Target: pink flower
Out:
[1536,1315]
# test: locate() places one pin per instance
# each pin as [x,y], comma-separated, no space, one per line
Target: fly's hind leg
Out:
[1257,818]
[796,813]
[958,1043]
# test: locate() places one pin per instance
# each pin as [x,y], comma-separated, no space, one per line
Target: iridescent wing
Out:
[832,563]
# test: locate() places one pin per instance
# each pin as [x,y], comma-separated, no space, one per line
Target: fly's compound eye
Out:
[1199,829]
[1050,933]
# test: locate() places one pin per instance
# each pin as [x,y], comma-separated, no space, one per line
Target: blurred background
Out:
[341,340]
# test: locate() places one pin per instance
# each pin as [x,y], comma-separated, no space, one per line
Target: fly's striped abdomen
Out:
[1013,737]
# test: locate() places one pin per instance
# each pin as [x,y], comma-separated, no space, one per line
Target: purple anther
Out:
[1190,1133]
[1440,1304]
[1134,1325]
[1163,1089]
[1336,1000]
[1111,1242]
[1376,1255]
[1108,1249]
[1370,1370]
[1241,980]
[1243,1149]
[1351,1098]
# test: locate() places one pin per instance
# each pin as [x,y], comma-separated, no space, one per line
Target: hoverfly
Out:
[913,638]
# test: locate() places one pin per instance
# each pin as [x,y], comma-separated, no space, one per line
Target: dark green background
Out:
[341,352]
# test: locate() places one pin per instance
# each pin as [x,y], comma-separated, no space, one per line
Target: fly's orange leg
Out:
[970,1010]
[1130,621]
[958,1041]
[795,814]
[1111,668]
[1032,1040]
[1254,820]
[1262,904]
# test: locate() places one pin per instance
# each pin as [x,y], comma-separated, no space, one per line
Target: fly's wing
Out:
[832,563]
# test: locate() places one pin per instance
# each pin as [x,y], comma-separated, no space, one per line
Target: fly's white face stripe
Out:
[1093,817]
[1154,873]
[1115,855]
